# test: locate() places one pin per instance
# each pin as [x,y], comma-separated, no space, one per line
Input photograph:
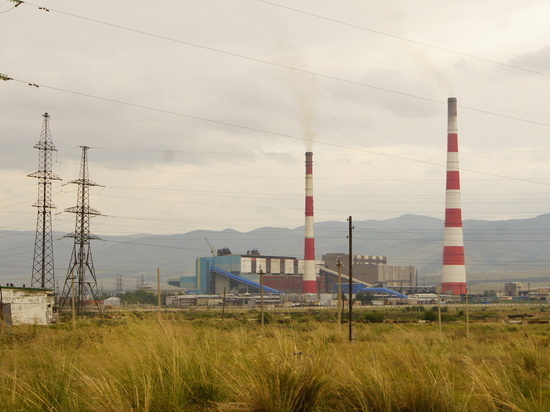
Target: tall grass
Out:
[177,365]
[277,373]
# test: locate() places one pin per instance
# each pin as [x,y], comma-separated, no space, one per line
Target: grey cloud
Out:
[537,60]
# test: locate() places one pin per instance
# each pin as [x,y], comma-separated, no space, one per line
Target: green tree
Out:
[374,316]
[430,315]
[365,298]
[138,297]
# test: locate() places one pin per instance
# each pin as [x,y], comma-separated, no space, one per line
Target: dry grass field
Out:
[294,363]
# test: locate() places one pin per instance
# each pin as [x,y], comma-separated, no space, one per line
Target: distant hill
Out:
[494,249]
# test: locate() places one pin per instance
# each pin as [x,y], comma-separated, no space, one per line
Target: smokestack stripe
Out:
[309,282]
[454,270]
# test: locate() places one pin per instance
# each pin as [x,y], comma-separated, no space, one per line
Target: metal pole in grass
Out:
[439,308]
[1,312]
[350,303]
[262,296]
[340,303]
[73,303]
[223,304]
[158,292]
[467,313]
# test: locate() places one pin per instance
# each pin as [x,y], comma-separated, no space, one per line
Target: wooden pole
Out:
[439,308]
[1,312]
[73,305]
[467,313]
[350,271]
[158,293]
[340,303]
[262,295]
[223,304]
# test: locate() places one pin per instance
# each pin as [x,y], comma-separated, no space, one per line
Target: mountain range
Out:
[505,249]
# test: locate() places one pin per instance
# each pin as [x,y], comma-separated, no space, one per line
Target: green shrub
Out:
[430,315]
[373,316]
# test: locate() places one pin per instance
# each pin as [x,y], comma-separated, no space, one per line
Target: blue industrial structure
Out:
[229,271]
[203,279]
[241,273]
[241,280]
[358,288]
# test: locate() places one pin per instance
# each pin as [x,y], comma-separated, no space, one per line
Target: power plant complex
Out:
[253,272]
[249,273]
[246,273]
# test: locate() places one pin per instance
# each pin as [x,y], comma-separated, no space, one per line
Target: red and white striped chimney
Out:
[454,271]
[309,283]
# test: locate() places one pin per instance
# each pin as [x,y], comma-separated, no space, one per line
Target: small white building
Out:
[112,301]
[27,306]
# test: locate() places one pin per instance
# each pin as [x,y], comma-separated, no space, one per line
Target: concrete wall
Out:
[28,306]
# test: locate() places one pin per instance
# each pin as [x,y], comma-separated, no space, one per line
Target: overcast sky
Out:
[198,112]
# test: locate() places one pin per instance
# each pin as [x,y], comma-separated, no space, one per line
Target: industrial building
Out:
[244,273]
[27,306]
[512,288]
[182,301]
[278,273]
[373,270]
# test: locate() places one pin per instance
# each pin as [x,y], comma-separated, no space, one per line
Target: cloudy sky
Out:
[198,112]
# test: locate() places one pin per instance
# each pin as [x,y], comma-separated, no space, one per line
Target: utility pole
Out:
[76,287]
[158,293]
[350,239]
[262,296]
[340,303]
[467,312]
[1,312]
[73,302]
[439,308]
[43,265]
[223,304]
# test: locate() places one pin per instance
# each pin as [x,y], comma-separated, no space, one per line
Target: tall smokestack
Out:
[454,271]
[309,284]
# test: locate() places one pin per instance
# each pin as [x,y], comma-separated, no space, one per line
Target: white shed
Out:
[112,301]
[27,306]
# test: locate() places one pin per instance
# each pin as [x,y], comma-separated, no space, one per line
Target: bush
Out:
[430,315]
[268,318]
[373,316]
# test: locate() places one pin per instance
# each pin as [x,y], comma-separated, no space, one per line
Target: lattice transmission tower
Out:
[119,285]
[78,286]
[43,265]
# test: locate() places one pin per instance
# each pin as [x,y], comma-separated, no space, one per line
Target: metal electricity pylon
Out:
[119,285]
[78,286]
[43,265]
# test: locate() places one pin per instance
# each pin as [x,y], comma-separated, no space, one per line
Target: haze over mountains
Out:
[508,249]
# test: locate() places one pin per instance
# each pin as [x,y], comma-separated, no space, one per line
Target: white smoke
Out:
[304,90]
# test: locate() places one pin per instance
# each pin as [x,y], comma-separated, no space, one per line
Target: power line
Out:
[297,69]
[306,139]
[471,56]
[290,67]
[279,177]
[17,3]
[287,67]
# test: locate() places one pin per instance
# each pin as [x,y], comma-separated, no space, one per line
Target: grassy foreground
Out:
[181,365]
